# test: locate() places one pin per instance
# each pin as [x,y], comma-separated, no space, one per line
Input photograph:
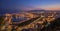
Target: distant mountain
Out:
[36,11]
[58,11]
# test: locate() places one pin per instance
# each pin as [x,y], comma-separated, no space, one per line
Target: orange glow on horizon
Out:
[52,8]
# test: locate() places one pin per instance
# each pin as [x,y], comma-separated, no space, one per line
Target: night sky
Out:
[29,5]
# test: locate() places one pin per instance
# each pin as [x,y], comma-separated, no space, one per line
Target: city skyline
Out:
[29,15]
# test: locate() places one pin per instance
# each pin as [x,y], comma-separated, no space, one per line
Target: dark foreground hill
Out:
[54,26]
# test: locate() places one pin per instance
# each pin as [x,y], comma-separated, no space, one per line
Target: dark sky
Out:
[30,4]
[15,5]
